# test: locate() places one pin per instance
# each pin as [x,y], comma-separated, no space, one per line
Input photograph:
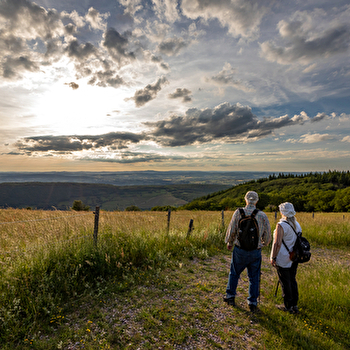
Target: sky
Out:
[214,85]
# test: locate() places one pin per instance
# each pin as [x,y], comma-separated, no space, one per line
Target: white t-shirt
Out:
[289,238]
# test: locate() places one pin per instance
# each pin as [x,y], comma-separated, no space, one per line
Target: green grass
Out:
[143,287]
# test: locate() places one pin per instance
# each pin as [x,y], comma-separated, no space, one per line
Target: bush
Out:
[80,206]
[132,208]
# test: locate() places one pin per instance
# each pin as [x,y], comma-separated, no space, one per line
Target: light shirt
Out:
[289,238]
[263,224]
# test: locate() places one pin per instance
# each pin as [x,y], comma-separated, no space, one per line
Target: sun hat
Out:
[251,197]
[287,209]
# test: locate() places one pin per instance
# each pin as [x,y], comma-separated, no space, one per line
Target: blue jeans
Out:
[242,259]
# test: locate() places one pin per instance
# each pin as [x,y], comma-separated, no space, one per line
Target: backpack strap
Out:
[254,213]
[294,232]
[285,246]
[241,210]
[298,234]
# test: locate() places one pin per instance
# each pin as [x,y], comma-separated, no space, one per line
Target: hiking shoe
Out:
[295,309]
[230,301]
[283,308]
[253,308]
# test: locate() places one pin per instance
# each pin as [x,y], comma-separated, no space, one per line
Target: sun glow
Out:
[63,110]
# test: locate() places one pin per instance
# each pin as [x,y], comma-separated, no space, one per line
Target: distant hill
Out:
[61,195]
[326,192]
[136,178]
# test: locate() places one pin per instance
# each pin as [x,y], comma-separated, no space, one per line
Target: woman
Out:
[286,269]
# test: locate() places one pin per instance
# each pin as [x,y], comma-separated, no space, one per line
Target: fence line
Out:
[97,219]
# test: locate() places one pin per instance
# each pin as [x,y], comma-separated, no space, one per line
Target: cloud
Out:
[29,20]
[149,93]
[172,46]
[116,45]
[225,123]
[95,19]
[304,39]
[314,138]
[74,143]
[226,78]
[73,85]
[106,78]
[241,17]
[346,139]
[12,67]
[80,52]
[166,9]
[32,37]
[185,94]
[319,117]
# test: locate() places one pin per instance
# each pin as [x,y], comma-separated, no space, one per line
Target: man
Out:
[250,259]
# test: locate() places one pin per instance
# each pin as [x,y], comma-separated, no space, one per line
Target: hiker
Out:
[286,268]
[246,255]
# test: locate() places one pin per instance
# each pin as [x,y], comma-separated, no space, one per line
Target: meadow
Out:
[59,289]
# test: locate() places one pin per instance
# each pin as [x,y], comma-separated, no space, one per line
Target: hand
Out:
[273,263]
[229,246]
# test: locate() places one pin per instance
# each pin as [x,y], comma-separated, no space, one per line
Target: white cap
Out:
[251,197]
[287,209]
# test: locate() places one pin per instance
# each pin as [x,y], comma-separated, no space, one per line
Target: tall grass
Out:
[45,264]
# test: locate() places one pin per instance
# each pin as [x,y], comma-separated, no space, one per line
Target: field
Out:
[145,285]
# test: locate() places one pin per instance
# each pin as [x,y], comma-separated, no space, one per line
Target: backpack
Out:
[301,249]
[248,233]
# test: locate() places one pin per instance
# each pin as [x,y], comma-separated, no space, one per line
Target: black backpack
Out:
[248,234]
[301,249]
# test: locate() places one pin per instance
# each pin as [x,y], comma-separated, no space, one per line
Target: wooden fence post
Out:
[190,228]
[223,219]
[169,214]
[97,217]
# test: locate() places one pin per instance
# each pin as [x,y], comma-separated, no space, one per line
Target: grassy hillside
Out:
[327,192]
[60,195]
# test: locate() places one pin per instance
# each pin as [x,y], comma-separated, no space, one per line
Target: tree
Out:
[132,208]
[78,205]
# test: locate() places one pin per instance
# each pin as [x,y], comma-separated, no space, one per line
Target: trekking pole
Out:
[278,283]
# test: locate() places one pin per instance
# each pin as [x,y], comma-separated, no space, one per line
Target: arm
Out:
[277,242]
[266,236]
[232,230]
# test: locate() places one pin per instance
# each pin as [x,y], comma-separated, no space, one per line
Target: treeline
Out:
[309,192]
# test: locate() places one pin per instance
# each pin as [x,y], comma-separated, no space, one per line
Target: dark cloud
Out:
[33,19]
[172,46]
[73,85]
[319,117]
[80,52]
[159,61]
[106,78]
[149,93]
[116,46]
[304,44]
[185,94]
[225,123]
[73,143]
[13,66]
